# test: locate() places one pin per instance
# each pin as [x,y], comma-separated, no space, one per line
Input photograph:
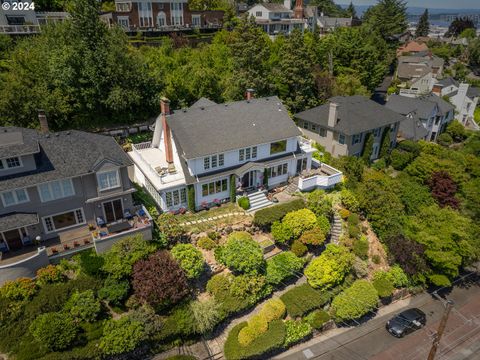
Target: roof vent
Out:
[47,136]
[248,101]
[202,108]
[57,135]
[68,132]
[184,110]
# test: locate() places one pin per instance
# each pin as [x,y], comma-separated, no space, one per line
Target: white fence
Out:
[320,181]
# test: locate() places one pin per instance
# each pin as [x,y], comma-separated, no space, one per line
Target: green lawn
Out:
[205,214]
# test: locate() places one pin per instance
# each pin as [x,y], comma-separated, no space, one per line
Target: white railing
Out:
[19,29]
[142,146]
[164,178]
[319,180]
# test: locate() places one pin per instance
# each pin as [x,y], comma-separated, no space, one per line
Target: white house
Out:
[210,147]
[278,19]
[463,96]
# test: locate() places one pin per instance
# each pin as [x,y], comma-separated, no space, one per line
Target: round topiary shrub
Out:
[383,286]
[344,213]
[317,319]
[355,301]
[54,330]
[273,309]
[49,275]
[206,243]
[190,259]
[241,253]
[244,203]
[315,236]
[298,248]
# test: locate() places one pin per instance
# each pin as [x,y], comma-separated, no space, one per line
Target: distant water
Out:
[438,17]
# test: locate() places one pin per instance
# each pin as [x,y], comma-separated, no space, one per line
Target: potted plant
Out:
[217,202]
[204,205]
[76,243]
[91,227]
[54,250]
[65,247]
[86,241]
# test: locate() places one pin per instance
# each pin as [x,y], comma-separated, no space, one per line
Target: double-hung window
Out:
[56,190]
[213,161]
[356,139]
[108,180]
[247,153]
[15,197]
[214,187]
[341,139]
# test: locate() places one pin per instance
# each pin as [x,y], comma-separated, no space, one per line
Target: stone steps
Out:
[336,231]
[258,200]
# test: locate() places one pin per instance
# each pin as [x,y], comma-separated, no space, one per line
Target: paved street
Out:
[370,340]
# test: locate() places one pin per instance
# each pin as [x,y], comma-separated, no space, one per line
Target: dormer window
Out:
[10,163]
[15,197]
[108,180]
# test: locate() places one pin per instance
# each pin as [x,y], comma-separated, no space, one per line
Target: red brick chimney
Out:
[43,122]
[250,94]
[298,10]
[167,134]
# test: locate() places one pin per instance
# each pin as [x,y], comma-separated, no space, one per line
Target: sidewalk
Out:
[385,310]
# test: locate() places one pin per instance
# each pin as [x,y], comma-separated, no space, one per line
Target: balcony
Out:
[323,177]
[306,145]
[19,29]
[153,164]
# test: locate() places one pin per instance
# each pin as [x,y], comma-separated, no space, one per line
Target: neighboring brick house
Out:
[55,182]
[412,48]
[426,116]
[161,14]
[341,125]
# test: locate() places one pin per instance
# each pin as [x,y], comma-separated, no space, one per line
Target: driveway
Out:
[370,340]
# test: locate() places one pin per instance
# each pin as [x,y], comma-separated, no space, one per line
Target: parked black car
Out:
[406,322]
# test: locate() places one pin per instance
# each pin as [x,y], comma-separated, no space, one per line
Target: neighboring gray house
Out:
[341,124]
[328,24]
[54,182]
[418,73]
[426,116]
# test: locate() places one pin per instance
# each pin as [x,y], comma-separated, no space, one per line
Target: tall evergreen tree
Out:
[250,47]
[293,75]
[423,27]
[458,25]
[388,17]
[351,11]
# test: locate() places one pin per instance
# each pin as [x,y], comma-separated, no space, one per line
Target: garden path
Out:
[216,342]
[213,218]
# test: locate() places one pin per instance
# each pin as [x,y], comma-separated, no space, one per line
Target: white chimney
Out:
[332,115]
[287,4]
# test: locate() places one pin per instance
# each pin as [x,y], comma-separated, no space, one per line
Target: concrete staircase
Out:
[258,200]
[336,230]
[292,188]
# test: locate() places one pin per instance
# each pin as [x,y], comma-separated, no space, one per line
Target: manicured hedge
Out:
[302,299]
[268,216]
[267,342]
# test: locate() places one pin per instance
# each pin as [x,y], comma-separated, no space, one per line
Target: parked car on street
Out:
[406,322]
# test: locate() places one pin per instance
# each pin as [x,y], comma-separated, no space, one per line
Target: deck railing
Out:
[322,181]
[19,29]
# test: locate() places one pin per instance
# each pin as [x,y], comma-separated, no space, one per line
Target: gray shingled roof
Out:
[356,114]
[67,154]
[406,105]
[203,102]
[448,81]
[230,126]
[17,141]
[412,71]
[443,105]
[412,129]
[15,220]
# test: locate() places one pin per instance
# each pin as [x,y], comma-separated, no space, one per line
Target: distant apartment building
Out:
[157,15]
[342,124]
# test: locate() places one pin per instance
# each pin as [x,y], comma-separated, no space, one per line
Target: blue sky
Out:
[439,4]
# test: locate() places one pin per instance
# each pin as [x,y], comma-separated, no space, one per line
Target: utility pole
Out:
[441,329]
